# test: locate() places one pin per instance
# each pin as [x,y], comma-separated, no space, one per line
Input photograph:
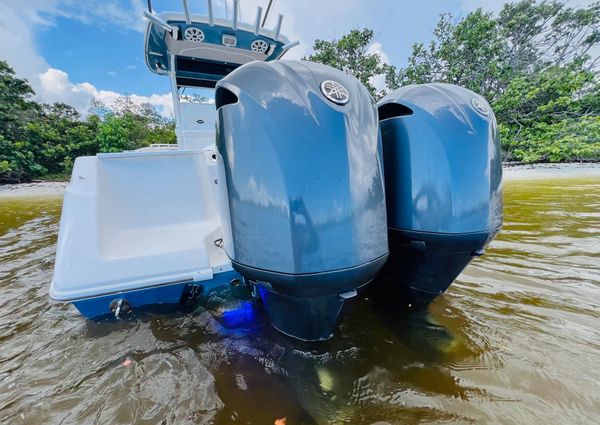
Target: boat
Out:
[293,182]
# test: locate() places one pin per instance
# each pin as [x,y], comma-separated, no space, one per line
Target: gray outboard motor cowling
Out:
[303,164]
[443,177]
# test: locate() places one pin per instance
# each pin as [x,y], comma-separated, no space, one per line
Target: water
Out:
[516,340]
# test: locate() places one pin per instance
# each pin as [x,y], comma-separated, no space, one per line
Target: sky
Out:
[74,50]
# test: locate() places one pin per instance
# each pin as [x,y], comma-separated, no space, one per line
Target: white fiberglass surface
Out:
[197,116]
[153,204]
[196,126]
[135,220]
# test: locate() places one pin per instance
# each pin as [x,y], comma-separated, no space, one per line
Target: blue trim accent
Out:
[212,35]
[97,307]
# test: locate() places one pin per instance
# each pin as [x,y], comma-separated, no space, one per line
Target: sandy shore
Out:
[551,171]
[511,172]
[35,190]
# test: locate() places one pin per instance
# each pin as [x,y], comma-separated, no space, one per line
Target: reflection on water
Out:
[515,340]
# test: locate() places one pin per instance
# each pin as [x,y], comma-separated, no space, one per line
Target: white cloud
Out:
[378,81]
[285,7]
[18,45]
[21,21]
[18,19]
[303,20]
[55,86]
[377,48]
[124,14]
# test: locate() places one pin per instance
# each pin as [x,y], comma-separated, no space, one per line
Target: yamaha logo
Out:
[480,106]
[335,92]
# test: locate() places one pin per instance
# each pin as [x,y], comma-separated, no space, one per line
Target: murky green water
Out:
[516,340]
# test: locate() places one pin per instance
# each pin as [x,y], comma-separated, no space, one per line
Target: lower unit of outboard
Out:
[303,165]
[443,177]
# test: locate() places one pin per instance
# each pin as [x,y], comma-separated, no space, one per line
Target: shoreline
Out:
[33,190]
[511,173]
[550,171]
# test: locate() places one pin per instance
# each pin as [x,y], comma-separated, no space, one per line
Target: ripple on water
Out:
[515,340]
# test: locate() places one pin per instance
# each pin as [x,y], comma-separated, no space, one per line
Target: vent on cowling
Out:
[224,97]
[393,110]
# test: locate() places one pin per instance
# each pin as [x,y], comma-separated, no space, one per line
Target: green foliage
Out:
[58,136]
[15,103]
[350,54]
[120,133]
[130,126]
[564,140]
[534,64]
[38,140]
[17,162]
[164,133]
[16,159]
[467,54]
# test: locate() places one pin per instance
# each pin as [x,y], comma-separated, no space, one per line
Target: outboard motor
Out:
[443,176]
[303,165]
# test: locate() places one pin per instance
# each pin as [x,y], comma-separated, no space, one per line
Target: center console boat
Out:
[278,181]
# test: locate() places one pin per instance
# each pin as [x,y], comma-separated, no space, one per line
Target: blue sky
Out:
[73,50]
